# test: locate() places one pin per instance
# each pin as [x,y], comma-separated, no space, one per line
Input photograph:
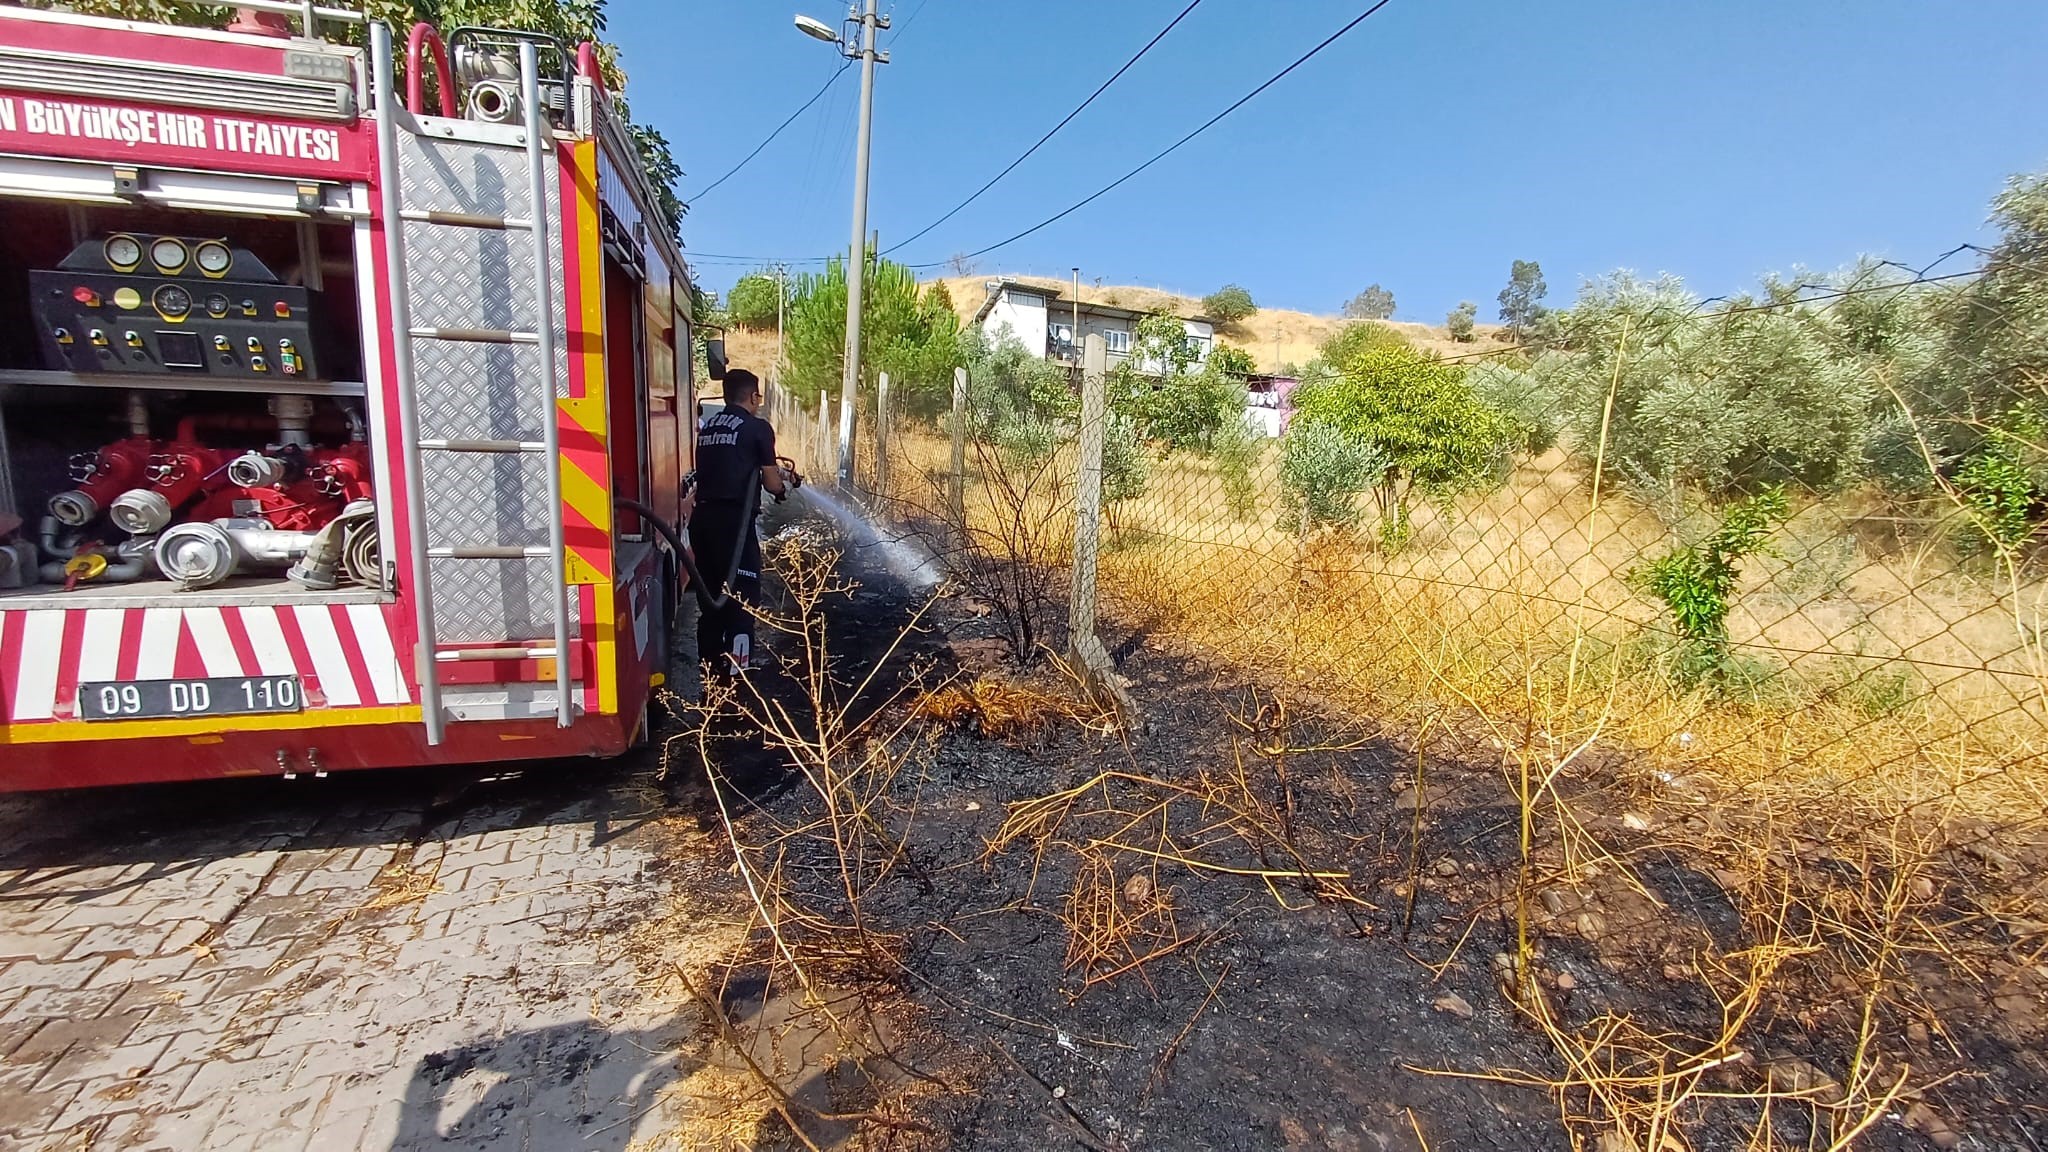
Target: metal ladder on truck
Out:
[437,446]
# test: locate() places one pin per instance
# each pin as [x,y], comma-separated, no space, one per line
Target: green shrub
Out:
[1006,384]
[1695,582]
[1459,323]
[1125,470]
[754,301]
[1169,402]
[2001,485]
[1438,439]
[1025,441]
[1525,397]
[1236,450]
[1323,469]
[1228,304]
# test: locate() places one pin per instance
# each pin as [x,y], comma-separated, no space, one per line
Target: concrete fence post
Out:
[828,456]
[1088,494]
[881,436]
[1083,645]
[956,494]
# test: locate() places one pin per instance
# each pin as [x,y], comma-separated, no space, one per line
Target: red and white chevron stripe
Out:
[343,653]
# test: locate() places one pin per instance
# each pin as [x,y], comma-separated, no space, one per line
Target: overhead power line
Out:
[1170,149]
[905,27]
[815,96]
[1064,121]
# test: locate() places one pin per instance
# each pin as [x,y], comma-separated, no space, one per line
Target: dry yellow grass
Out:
[1897,703]
[1273,336]
[744,348]
[1892,676]
[1532,560]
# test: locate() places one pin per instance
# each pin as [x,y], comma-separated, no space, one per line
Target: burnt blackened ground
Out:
[1317,1027]
[1274,1015]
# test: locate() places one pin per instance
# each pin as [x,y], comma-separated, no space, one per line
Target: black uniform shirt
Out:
[732,448]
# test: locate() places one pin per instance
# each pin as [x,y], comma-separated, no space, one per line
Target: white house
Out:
[1044,318]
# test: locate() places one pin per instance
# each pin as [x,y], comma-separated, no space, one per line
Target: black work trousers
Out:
[718,533]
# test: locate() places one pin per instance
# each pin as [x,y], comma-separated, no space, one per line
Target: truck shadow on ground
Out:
[61,844]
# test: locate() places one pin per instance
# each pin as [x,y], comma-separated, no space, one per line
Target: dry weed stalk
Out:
[848,741]
[1007,545]
[1001,708]
[1127,834]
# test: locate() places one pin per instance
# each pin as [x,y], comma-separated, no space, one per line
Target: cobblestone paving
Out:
[381,961]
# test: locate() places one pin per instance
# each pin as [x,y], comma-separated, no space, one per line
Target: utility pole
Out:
[781,295]
[856,269]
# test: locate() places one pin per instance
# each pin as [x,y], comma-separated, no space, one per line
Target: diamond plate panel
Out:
[489,500]
[486,499]
[469,277]
[480,601]
[461,277]
[478,391]
[462,176]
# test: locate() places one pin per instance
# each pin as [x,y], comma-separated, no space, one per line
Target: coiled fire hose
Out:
[710,602]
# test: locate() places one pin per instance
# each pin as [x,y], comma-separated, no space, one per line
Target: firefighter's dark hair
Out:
[740,384]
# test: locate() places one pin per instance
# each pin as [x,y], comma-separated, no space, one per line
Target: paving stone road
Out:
[372,961]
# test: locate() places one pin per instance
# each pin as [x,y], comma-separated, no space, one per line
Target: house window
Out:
[1117,340]
[1023,299]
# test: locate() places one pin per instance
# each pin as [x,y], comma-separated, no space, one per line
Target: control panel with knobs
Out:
[167,305]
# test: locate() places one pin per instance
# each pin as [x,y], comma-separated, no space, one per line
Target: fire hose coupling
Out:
[257,470]
[204,553]
[141,512]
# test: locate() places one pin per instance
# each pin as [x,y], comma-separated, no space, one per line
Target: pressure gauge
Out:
[123,252]
[213,258]
[169,254]
[172,302]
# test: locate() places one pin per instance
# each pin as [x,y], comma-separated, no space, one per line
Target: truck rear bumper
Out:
[115,759]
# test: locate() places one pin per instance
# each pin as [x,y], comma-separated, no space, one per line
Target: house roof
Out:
[998,285]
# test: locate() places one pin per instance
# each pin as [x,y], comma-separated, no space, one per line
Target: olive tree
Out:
[1229,304]
[1439,439]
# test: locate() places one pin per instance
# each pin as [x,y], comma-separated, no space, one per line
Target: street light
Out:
[816,29]
[857,264]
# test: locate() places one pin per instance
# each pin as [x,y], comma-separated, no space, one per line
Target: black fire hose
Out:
[709,602]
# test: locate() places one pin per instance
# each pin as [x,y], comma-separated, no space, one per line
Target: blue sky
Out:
[1436,143]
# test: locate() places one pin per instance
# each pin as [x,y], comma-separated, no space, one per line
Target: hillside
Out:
[1274,336]
[754,351]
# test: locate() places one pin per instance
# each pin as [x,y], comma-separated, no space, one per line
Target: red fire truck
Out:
[319,400]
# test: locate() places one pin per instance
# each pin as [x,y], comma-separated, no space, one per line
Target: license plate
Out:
[159,699]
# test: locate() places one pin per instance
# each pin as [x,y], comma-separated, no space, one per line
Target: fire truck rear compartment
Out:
[246,373]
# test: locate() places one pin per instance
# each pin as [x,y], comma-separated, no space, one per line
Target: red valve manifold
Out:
[113,470]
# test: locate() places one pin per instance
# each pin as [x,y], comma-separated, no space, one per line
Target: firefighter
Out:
[735,464]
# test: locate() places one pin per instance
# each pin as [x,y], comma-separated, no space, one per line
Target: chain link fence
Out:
[1776,539]
[1745,590]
